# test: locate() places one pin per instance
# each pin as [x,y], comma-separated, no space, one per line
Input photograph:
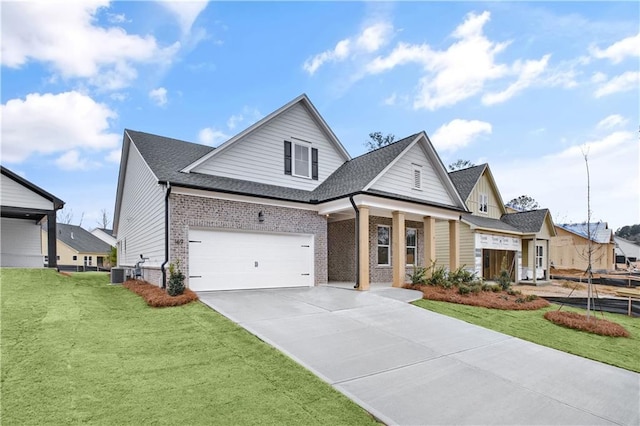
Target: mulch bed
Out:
[591,325]
[486,299]
[157,297]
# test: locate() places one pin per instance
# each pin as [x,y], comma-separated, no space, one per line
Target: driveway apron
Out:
[409,366]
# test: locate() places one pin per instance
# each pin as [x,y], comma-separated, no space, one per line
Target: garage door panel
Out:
[225,260]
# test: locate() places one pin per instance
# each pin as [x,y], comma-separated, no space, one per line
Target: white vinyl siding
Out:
[417,176]
[259,156]
[400,178]
[141,219]
[20,243]
[17,195]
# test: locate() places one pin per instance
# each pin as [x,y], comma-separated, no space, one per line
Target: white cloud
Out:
[211,137]
[158,96]
[114,156]
[371,39]
[49,32]
[233,121]
[528,73]
[598,77]
[558,180]
[391,99]
[459,133]
[622,83]
[611,121]
[48,123]
[116,18]
[71,160]
[186,12]
[248,116]
[618,51]
[119,96]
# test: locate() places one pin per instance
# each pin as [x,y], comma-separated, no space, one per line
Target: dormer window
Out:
[483,203]
[416,176]
[300,160]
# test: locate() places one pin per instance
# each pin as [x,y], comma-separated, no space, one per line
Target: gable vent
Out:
[417,177]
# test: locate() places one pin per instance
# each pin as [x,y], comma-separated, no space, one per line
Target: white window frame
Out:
[416,171]
[415,247]
[539,256]
[88,260]
[294,159]
[388,246]
[483,203]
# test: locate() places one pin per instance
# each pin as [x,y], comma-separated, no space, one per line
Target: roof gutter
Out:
[357,234]
[166,235]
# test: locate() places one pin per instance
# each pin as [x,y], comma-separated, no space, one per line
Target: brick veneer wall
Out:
[187,211]
[342,251]
[384,274]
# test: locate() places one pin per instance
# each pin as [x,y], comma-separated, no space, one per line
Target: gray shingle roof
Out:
[465,180]
[81,240]
[356,173]
[529,221]
[486,222]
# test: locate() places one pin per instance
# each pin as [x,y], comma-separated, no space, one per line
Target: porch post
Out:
[429,224]
[52,240]
[398,249]
[363,253]
[535,260]
[548,275]
[454,244]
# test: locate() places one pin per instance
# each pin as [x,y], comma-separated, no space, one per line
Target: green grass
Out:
[77,350]
[531,325]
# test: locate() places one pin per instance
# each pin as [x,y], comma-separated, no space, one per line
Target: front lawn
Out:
[77,350]
[532,326]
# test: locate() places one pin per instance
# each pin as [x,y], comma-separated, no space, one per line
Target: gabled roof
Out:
[106,231]
[80,239]
[303,100]
[627,248]
[489,223]
[57,202]
[466,179]
[600,232]
[530,221]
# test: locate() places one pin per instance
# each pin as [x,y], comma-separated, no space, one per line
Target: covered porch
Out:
[376,242]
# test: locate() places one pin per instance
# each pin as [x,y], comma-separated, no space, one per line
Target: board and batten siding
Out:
[399,179]
[141,222]
[17,195]
[484,186]
[259,156]
[20,243]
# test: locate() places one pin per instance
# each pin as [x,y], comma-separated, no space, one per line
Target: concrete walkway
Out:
[409,366]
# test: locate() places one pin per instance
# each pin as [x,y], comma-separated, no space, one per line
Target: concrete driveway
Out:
[406,365]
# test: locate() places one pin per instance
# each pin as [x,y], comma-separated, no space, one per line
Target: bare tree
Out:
[460,164]
[585,154]
[376,140]
[65,215]
[104,220]
[81,219]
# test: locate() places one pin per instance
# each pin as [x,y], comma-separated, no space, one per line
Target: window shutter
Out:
[314,163]
[287,158]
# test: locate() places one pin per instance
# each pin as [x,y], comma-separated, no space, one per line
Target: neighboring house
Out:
[282,204]
[24,208]
[78,249]
[105,235]
[570,248]
[493,236]
[626,251]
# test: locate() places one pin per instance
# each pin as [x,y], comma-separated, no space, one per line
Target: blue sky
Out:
[526,87]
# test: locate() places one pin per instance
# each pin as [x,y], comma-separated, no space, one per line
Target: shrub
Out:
[521,300]
[464,289]
[487,287]
[176,280]
[496,288]
[531,297]
[461,276]
[504,278]
[512,292]
[476,287]
[438,276]
[418,276]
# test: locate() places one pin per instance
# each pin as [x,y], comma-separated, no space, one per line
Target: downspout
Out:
[357,234]
[166,235]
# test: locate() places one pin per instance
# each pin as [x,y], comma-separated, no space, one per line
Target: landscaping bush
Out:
[176,280]
[461,276]
[512,292]
[439,276]
[464,289]
[418,276]
[157,297]
[504,278]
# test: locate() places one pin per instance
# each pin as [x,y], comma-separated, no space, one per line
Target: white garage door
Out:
[226,260]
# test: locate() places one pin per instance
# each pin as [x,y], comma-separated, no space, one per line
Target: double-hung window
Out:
[412,246]
[384,245]
[483,203]
[539,256]
[301,160]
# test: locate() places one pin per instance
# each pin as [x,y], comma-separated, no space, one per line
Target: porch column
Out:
[454,244]
[535,260]
[363,245]
[398,249]
[429,223]
[548,275]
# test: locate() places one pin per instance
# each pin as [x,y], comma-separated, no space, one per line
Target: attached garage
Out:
[230,260]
